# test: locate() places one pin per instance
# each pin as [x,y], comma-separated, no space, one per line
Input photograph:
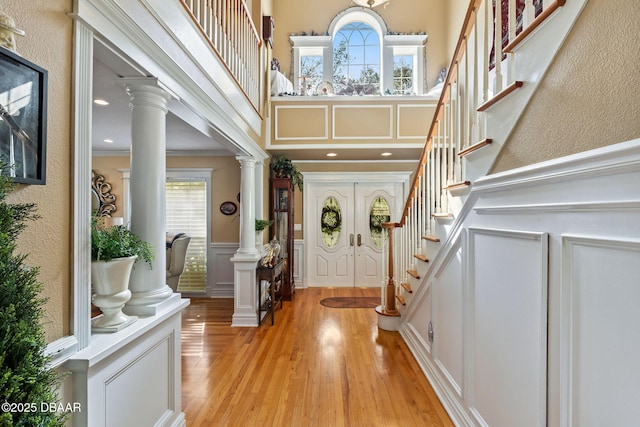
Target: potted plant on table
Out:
[114,250]
[261,224]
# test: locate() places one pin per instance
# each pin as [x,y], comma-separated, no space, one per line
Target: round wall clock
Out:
[228,208]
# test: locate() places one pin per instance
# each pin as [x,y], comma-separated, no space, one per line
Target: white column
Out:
[259,190]
[245,311]
[148,176]
[247,205]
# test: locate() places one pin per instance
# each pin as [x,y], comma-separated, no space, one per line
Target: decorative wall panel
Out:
[301,122]
[600,333]
[414,120]
[507,327]
[362,122]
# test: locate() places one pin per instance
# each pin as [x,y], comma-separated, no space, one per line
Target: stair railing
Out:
[475,81]
[229,29]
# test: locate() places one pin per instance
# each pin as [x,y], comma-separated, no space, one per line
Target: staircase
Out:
[481,102]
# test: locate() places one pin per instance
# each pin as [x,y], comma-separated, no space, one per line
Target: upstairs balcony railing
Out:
[228,27]
[475,81]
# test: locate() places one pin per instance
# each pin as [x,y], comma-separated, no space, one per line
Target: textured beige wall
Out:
[48,240]
[589,97]
[296,16]
[225,186]
[456,10]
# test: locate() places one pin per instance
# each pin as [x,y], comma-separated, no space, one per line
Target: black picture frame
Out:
[23,118]
[228,208]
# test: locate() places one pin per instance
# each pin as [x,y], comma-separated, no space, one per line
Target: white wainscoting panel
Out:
[220,271]
[600,332]
[143,379]
[298,264]
[132,377]
[448,319]
[507,327]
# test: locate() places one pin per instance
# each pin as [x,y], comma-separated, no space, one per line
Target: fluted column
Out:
[148,176]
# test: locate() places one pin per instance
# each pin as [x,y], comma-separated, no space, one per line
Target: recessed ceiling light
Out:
[332,154]
[100,102]
[386,154]
[109,141]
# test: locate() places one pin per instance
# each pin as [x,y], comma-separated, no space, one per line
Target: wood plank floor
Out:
[317,366]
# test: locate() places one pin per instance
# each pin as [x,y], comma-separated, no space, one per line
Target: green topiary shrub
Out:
[27,383]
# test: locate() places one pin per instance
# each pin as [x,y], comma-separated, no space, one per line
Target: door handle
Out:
[351,239]
[359,240]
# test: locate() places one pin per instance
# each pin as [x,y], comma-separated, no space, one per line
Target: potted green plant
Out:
[114,250]
[283,167]
[108,243]
[261,224]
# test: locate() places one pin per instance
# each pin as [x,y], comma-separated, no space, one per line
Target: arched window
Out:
[356,60]
[358,56]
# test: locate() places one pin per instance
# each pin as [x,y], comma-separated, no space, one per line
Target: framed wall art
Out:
[228,208]
[23,118]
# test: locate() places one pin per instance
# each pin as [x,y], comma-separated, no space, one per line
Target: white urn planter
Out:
[110,280]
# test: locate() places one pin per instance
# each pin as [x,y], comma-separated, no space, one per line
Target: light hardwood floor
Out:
[316,366]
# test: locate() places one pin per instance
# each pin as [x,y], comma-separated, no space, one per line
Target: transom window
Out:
[357,56]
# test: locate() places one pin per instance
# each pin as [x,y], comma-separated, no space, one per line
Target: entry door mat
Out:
[351,302]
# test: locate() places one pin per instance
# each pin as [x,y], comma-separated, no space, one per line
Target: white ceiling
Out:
[114,120]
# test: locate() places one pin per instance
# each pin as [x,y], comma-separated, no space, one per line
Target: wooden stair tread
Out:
[498,96]
[401,299]
[413,273]
[478,145]
[458,185]
[442,215]
[421,257]
[431,238]
[407,287]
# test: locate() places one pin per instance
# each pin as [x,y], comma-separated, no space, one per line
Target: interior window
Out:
[356,60]
[359,56]
[311,73]
[403,75]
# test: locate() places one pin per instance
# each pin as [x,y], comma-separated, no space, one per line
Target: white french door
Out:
[342,228]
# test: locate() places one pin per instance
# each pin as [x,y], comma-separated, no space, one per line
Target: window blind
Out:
[186,203]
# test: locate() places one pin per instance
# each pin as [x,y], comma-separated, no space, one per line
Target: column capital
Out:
[147,91]
[246,159]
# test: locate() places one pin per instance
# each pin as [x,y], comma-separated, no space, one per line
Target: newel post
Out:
[389,316]
[390,290]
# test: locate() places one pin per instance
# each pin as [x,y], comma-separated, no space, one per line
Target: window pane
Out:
[378,214]
[310,73]
[403,74]
[186,203]
[330,222]
[356,55]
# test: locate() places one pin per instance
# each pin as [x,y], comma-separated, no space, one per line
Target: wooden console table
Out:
[273,275]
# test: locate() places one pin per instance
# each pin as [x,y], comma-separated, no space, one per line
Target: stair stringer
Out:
[450,395]
[532,58]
